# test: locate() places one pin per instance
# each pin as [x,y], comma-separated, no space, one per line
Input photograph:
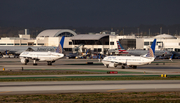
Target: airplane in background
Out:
[20,49]
[131,61]
[138,52]
[176,55]
[50,57]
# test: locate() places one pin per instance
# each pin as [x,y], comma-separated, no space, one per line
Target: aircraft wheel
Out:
[49,63]
[134,67]
[123,67]
[35,64]
[107,65]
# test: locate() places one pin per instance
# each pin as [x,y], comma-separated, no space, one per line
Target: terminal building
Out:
[98,43]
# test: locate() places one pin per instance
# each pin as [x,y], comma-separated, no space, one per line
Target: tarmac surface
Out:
[88,86]
[156,68]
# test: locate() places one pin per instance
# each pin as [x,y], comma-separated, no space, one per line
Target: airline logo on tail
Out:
[151,52]
[60,46]
[121,49]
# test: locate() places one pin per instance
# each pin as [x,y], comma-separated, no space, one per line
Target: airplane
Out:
[176,55]
[20,49]
[50,57]
[131,61]
[138,52]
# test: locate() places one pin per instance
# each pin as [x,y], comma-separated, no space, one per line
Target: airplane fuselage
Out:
[127,60]
[42,56]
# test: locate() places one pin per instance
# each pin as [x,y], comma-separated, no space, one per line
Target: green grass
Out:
[46,72]
[86,78]
[61,72]
[122,97]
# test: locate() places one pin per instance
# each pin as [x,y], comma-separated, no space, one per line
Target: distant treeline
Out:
[141,30]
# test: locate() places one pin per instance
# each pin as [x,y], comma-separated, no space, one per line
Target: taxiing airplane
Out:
[50,57]
[131,61]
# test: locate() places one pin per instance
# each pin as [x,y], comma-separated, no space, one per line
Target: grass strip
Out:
[61,72]
[86,78]
[121,97]
[47,72]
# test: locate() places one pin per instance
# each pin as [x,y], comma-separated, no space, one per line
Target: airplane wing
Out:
[19,51]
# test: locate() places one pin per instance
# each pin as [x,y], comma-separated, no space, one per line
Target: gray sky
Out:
[88,13]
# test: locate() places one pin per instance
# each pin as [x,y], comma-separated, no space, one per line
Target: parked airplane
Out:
[131,61]
[138,52]
[50,57]
[20,49]
[175,55]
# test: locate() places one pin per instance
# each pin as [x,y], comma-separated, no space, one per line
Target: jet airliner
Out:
[50,57]
[131,61]
[138,52]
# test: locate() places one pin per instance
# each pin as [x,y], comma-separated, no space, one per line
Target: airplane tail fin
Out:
[60,46]
[151,52]
[120,48]
[171,57]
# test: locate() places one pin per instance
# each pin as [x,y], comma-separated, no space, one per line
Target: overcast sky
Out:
[89,13]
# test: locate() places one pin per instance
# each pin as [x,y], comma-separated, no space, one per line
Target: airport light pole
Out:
[160,30]
[123,31]
[138,31]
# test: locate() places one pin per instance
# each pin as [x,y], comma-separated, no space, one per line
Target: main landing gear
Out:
[49,63]
[123,67]
[34,62]
[134,67]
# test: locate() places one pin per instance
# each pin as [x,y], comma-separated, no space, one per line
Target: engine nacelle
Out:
[24,61]
[112,65]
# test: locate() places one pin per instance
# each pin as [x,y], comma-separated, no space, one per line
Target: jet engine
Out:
[24,61]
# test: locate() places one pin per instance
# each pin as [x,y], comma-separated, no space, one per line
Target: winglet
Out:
[60,46]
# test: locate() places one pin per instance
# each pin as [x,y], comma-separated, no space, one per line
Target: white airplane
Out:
[50,57]
[131,61]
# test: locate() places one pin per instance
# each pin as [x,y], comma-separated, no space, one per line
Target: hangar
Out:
[86,39]
[57,33]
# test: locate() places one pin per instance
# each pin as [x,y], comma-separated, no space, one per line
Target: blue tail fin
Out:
[171,57]
[60,46]
[151,52]
[153,46]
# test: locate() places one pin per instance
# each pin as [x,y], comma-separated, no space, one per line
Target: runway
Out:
[88,86]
